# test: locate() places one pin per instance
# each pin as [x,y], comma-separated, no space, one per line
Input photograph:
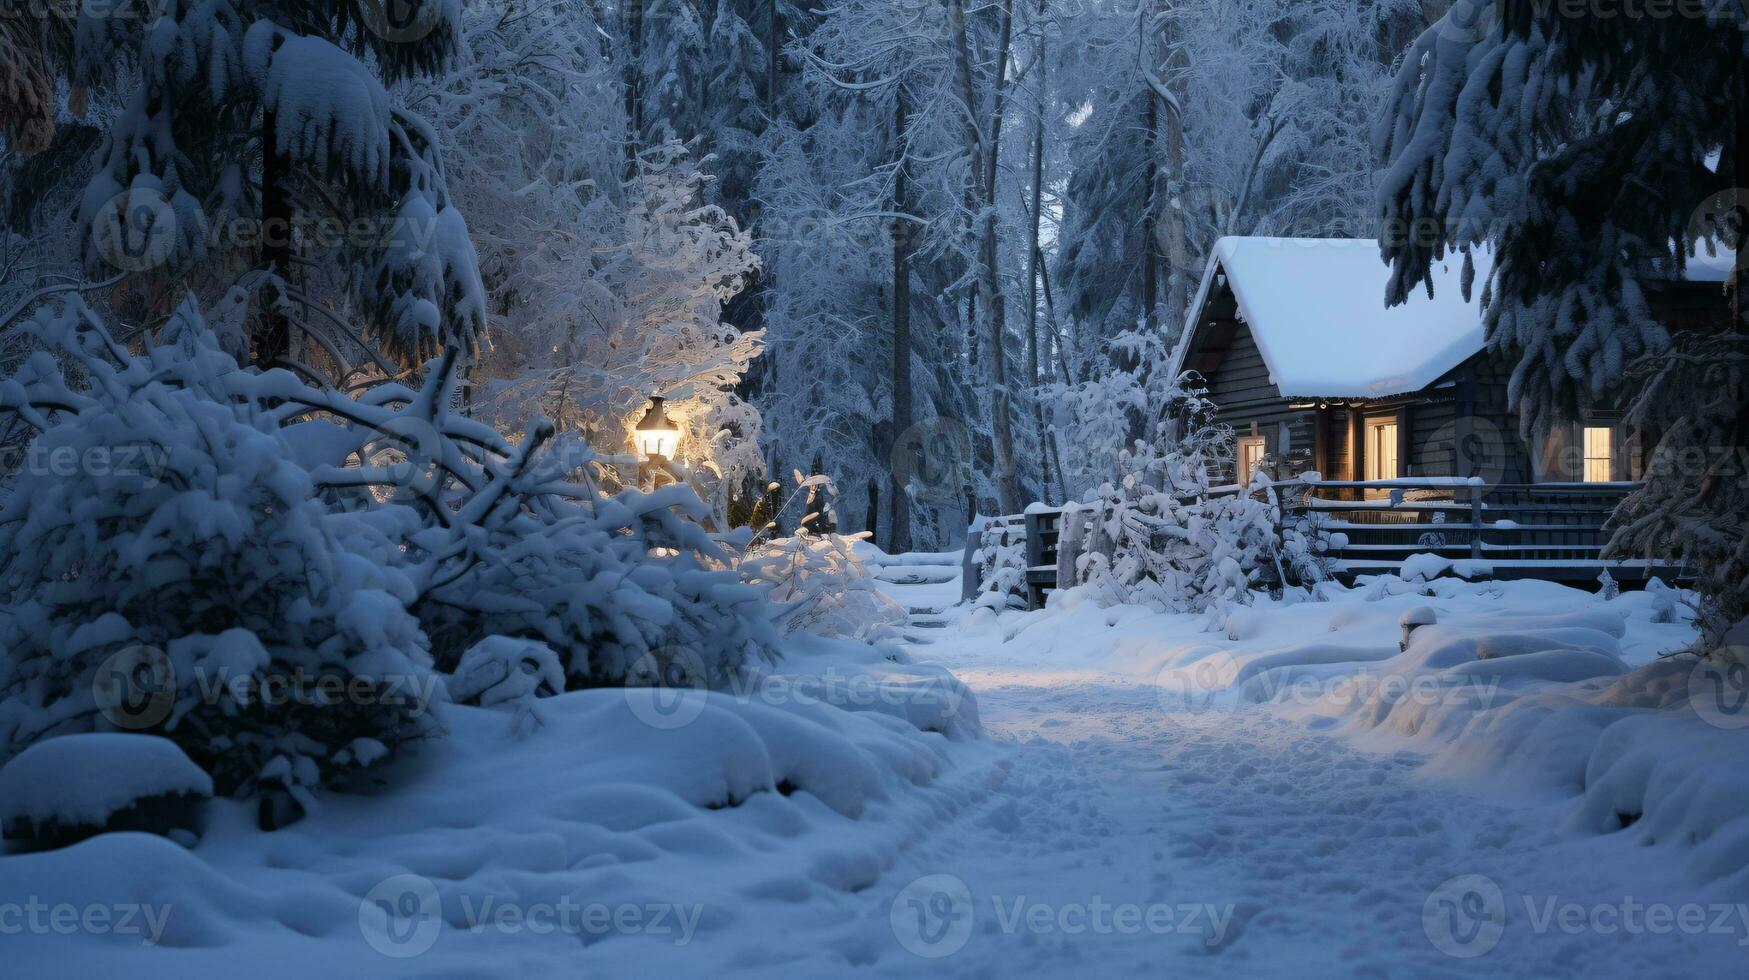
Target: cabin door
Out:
[1380,453]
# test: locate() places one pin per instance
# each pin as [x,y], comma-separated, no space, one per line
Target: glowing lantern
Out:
[656,435]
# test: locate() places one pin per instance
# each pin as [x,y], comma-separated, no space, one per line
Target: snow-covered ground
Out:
[1285,795]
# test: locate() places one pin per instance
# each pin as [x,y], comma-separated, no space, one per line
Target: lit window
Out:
[1599,454]
[1251,453]
[1381,449]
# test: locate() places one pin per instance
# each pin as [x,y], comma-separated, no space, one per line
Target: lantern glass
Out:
[656,435]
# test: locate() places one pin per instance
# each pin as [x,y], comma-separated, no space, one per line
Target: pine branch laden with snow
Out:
[256,137]
[1524,139]
[161,512]
[266,530]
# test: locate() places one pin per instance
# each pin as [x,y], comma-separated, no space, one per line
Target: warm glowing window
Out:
[1251,453]
[1381,449]
[1599,454]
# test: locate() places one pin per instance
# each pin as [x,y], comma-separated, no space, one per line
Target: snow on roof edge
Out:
[1410,345]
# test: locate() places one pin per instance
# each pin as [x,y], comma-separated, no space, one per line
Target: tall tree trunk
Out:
[1150,217]
[772,46]
[274,339]
[1173,249]
[984,151]
[633,12]
[1034,253]
[899,529]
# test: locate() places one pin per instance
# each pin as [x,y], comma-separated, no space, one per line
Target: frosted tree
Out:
[1518,127]
[648,321]
[1189,121]
[874,195]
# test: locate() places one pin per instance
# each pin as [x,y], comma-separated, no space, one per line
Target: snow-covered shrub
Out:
[500,669]
[606,582]
[264,533]
[1001,563]
[519,540]
[821,586]
[157,511]
[1163,536]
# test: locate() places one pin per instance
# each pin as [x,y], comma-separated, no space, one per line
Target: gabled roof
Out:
[1316,308]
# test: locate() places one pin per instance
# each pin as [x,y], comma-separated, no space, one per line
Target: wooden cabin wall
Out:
[1239,384]
[1432,429]
[1482,383]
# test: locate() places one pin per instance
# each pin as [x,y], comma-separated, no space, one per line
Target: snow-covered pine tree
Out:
[257,149]
[1591,153]
[166,527]
[258,530]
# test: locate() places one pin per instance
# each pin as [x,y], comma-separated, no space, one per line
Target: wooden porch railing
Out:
[1553,531]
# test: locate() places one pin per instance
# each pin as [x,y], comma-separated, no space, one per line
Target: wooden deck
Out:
[1550,531]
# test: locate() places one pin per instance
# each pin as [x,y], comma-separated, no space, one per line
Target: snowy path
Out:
[1134,831]
[1240,844]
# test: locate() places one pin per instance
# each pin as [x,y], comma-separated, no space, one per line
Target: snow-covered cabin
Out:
[1314,372]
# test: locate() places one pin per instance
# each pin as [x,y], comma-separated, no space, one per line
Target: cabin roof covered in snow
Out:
[1316,308]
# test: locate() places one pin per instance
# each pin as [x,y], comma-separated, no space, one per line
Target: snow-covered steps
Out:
[918,575]
[926,584]
[950,559]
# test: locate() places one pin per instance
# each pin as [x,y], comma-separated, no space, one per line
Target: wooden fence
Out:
[1553,531]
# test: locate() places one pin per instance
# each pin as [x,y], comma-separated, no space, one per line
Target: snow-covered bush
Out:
[605,582]
[821,586]
[499,670]
[1001,563]
[157,511]
[265,534]
[1163,536]
[815,578]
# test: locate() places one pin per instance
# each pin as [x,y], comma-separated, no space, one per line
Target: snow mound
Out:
[714,805]
[85,779]
[1672,779]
